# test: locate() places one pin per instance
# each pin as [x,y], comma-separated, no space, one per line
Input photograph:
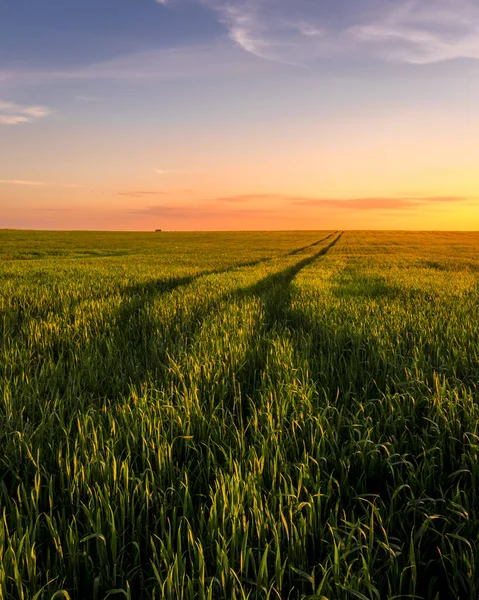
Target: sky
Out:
[239,114]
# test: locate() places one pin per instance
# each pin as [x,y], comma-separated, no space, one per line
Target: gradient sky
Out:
[239,114]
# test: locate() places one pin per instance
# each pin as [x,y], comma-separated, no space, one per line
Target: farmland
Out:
[239,415]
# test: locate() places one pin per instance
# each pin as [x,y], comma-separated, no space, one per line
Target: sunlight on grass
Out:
[244,415]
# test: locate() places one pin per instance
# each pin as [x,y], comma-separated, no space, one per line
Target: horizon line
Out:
[4,229]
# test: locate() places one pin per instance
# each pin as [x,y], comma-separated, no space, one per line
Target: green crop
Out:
[288,415]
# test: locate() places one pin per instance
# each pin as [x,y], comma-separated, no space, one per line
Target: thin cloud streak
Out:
[208,60]
[54,209]
[249,198]
[197,211]
[13,119]
[21,182]
[39,183]
[375,203]
[378,203]
[141,194]
[174,172]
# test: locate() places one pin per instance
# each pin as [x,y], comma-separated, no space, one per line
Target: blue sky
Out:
[53,33]
[342,101]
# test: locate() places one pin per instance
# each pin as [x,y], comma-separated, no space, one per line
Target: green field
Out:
[239,415]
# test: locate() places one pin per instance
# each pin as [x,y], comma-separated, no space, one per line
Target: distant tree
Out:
[157,229]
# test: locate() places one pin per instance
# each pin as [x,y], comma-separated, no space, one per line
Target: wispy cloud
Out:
[202,210]
[173,172]
[12,119]
[54,209]
[375,203]
[425,31]
[386,203]
[16,114]
[141,194]
[38,183]
[249,198]
[21,182]
[301,32]
[83,98]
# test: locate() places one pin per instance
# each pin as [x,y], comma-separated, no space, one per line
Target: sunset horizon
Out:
[216,115]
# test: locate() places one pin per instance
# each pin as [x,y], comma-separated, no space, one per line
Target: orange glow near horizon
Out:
[138,210]
[273,157]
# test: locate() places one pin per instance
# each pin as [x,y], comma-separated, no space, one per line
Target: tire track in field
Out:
[270,289]
[276,292]
[262,288]
[299,250]
[265,288]
[285,278]
[132,326]
[152,289]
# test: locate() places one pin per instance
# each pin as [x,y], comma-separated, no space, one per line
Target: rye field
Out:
[199,416]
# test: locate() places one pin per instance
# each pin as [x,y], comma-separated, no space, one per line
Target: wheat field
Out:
[262,415]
